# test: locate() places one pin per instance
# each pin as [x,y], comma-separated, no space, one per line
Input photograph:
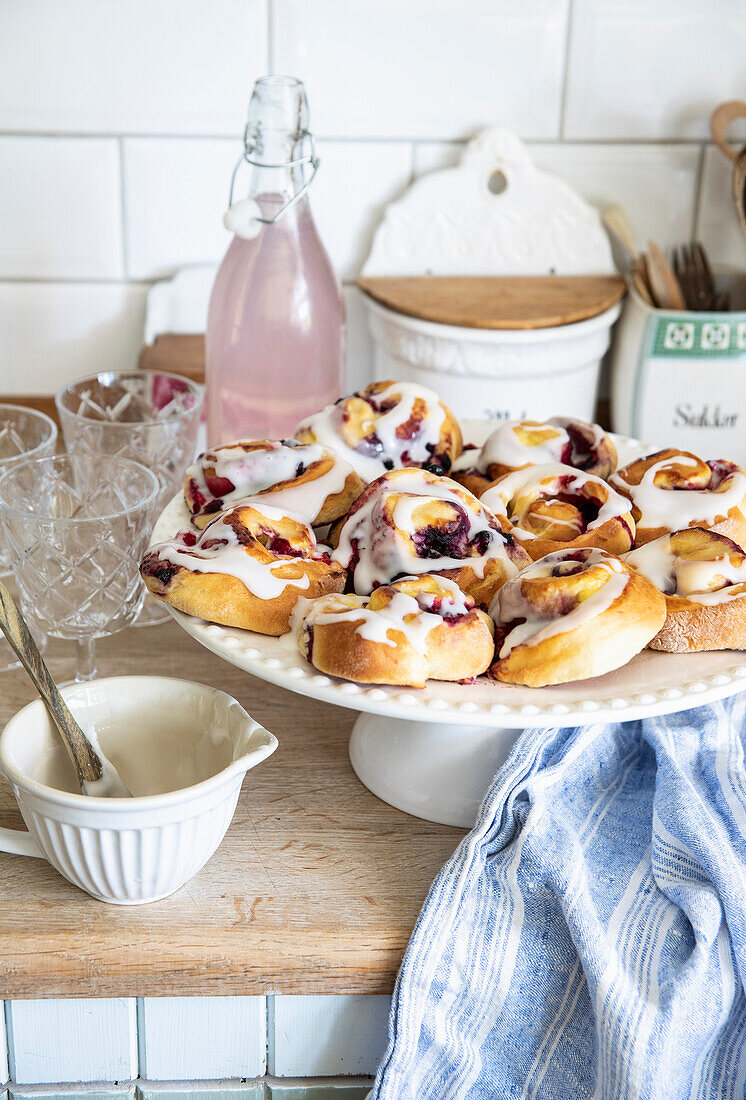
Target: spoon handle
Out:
[13,625]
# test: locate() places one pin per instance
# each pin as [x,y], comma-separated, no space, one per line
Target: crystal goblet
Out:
[24,433]
[148,416]
[77,526]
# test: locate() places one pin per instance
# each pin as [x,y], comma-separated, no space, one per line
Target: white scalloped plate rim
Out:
[651,684]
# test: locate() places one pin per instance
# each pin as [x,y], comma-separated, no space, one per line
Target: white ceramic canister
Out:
[681,377]
[494,373]
[495,213]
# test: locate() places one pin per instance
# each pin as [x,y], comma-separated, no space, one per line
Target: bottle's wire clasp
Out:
[303,162]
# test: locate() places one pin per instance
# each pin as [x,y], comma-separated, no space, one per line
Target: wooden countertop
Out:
[315,888]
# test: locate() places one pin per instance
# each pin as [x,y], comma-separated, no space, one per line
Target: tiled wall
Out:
[119,125]
[178,1039]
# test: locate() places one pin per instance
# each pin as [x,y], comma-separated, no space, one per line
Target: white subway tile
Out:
[176,191]
[359,342]
[425,68]
[144,66]
[175,194]
[51,333]
[431,156]
[642,70]
[3,1047]
[72,1040]
[717,224]
[656,184]
[203,1038]
[60,208]
[318,1036]
[355,181]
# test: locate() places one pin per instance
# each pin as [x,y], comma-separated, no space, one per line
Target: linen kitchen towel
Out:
[588,937]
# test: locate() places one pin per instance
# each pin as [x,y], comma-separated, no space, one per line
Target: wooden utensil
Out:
[497,302]
[663,283]
[623,242]
[694,274]
[87,763]
[720,120]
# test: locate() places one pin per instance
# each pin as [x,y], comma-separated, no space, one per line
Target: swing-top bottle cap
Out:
[278,105]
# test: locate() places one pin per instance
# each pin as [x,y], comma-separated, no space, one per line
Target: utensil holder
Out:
[681,376]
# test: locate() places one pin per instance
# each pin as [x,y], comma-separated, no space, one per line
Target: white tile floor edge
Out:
[89,1041]
[166,1088]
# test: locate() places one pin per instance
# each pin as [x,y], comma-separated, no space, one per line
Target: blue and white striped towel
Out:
[588,937]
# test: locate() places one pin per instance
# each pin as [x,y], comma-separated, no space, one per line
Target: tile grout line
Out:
[357,139]
[123,210]
[8,1021]
[566,71]
[270,1027]
[140,1027]
[270,10]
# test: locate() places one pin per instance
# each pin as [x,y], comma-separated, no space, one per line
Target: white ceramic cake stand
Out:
[433,752]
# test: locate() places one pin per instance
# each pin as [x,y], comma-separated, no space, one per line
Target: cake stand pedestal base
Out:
[436,772]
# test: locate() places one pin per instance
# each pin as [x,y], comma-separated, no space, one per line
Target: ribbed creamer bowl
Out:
[159,733]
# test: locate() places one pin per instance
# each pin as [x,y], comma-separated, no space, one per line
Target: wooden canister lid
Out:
[499,301]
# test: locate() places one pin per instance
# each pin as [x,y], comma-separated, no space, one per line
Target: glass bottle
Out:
[275,339]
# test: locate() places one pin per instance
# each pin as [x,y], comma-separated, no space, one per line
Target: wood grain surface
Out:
[497,302]
[315,888]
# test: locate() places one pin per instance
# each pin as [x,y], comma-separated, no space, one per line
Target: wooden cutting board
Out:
[497,302]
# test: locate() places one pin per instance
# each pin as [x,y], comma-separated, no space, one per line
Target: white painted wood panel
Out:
[72,1040]
[202,1038]
[320,1036]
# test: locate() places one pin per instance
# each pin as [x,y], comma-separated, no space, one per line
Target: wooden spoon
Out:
[663,283]
[623,241]
[720,120]
[88,764]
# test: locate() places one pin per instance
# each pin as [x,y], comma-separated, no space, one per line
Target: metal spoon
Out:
[96,774]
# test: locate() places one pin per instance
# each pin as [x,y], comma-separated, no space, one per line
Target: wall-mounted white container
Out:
[681,377]
[496,213]
[494,373]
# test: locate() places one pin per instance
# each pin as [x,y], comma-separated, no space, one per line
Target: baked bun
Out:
[248,568]
[306,480]
[572,615]
[386,426]
[418,628]
[412,522]
[673,489]
[520,443]
[703,577]
[554,507]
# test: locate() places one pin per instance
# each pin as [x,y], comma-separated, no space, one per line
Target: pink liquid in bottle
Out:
[275,338]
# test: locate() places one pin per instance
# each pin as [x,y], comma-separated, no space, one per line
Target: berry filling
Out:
[578,452]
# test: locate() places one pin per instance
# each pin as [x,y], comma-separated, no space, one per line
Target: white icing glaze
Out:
[255,472]
[677,508]
[327,429]
[229,557]
[386,553]
[504,447]
[710,582]
[413,616]
[510,603]
[542,481]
